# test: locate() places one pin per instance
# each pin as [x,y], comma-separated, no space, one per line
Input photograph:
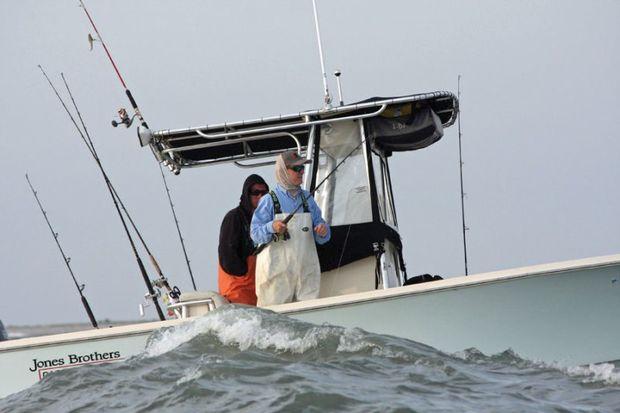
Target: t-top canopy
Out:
[266,137]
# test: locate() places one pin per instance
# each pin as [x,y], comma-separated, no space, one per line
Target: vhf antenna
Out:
[327,98]
[80,288]
[337,73]
[461,173]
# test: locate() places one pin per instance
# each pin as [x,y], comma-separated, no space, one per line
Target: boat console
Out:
[365,250]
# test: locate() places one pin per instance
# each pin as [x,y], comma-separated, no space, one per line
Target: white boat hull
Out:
[568,313]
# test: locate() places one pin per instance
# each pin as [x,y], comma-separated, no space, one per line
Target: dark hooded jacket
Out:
[235,242]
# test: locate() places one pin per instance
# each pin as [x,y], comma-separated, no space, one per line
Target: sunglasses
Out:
[258,192]
[297,168]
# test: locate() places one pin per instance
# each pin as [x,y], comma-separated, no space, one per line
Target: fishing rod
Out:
[162,281]
[290,216]
[151,292]
[80,288]
[461,173]
[124,117]
[176,221]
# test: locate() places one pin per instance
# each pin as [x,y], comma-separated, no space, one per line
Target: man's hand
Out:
[279,227]
[321,230]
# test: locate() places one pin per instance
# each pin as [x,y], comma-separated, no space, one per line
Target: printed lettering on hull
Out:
[45,366]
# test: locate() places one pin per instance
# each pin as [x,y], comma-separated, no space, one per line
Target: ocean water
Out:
[246,359]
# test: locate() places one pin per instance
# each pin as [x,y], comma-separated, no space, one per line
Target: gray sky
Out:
[539,116]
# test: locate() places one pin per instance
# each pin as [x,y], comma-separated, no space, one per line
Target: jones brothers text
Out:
[73,359]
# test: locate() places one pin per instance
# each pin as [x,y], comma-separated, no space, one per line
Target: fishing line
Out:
[80,288]
[151,292]
[344,246]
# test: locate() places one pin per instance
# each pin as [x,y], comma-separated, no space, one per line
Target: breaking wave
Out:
[240,358]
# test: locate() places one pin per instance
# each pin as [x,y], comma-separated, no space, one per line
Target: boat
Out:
[556,313]
[565,313]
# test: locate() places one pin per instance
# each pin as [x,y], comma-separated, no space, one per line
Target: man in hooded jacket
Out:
[237,264]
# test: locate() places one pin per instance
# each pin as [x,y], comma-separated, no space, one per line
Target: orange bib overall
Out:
[238,289]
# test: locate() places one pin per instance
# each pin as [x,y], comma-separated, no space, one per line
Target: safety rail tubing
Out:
[233,158]
[336,110]
[175,165]
[291,125]
[253,165]
[235,141]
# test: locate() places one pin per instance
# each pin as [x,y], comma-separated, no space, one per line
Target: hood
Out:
[282,177]
[244,201]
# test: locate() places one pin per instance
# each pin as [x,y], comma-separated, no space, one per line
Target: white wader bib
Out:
[288,271]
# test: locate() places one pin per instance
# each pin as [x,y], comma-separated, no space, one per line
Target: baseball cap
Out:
[292,158]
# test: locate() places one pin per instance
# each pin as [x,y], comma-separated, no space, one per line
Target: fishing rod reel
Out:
[172,296]
[124,118]
[162,282]
[147,303]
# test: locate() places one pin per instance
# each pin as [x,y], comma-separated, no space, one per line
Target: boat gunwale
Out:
[86,335]
[325,303]
[452,283]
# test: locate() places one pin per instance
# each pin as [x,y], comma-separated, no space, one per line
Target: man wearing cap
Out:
[288,268]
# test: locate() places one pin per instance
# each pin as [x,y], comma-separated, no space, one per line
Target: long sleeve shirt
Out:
[261,229]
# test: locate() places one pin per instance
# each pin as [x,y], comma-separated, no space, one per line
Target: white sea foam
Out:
[353,340]
[170,339]
[470,354]
[605,373]
[190,375]
[238,327]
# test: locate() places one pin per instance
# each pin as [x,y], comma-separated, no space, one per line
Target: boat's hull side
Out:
[30,365]
[25,362]
[570,317]
[567,313]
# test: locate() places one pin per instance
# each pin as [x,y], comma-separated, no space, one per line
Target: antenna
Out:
[327,98]
[337,73]
[461,173]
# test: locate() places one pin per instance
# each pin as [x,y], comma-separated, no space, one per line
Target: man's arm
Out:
[261,229]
